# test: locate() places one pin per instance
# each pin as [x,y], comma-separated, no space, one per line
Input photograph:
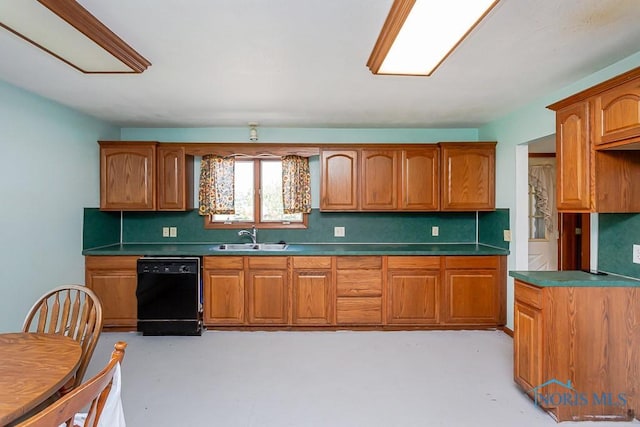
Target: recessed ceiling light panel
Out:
[69,32]
[419,34]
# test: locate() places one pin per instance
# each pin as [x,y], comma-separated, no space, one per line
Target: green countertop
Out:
[193,249]
[573,279]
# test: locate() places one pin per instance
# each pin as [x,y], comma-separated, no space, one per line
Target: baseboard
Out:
[507,331]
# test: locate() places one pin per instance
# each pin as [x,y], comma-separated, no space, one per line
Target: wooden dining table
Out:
[33,367]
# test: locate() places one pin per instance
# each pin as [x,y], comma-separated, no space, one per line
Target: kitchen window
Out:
[258,198]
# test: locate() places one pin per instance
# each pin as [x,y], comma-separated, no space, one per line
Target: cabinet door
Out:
[468,176]
[127,172]
[175,179]
[414,297]
[379,180]
[114,280]
[420,179]
[312,298]
[527,346]
[268,297]
[224,300]
[573,151]
[339,183]
[471,296]
[617,113]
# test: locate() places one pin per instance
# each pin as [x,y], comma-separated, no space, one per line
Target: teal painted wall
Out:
[48,173]
[301,135]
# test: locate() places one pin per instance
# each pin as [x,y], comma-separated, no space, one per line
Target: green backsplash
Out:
[100,228]
[617,235]
[491,226]
[454,227]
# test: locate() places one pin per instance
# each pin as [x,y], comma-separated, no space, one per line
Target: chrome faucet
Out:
[253,234]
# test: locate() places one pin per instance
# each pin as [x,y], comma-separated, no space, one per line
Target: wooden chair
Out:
[71,310]
[92,394]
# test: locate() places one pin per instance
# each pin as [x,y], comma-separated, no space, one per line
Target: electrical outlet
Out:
[507,235]
[165,231]
[435,230]
[338,231]
[636,254]
[173,231]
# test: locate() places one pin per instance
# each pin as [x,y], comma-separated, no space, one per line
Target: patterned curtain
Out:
[296,191]
[542,181]
[216,185]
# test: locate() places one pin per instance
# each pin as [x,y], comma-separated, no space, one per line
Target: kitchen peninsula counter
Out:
[576,332]
[573,278]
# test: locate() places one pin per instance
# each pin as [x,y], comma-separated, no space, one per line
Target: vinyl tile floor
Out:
[318,379]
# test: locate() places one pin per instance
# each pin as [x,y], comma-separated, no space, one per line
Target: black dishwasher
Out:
[168,294]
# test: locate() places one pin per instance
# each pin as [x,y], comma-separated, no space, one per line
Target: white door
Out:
[543,215]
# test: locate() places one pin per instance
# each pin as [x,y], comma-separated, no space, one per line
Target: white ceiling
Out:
[302,63]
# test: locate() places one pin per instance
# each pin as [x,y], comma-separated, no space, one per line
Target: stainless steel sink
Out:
[251,247]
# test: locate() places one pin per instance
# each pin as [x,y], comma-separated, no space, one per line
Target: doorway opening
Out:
[557,241]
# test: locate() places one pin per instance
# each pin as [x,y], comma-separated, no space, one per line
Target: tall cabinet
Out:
[598,147]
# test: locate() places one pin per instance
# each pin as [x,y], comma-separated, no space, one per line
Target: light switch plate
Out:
[435,230]
[507,235]
[636,254]
[165,231]
[338,231]
[173,231]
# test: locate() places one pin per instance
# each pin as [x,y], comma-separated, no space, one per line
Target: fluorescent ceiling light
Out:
[418,35]
[69,32]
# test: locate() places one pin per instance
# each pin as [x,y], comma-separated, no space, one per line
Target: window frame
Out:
[257,206]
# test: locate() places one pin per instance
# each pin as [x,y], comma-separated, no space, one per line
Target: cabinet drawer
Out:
[311,262]
[461,262]
[359,311]
[111,262]
[359,283]
[528,294]
[358,262]
[223,262]
[268,262]
[414,262]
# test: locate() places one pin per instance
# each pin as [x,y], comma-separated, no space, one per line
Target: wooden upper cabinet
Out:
[127,176]
[339,186]
[385,178]
[175,178]
[573,156]
[420,179]
[468,176]
[617,113]
[379,180]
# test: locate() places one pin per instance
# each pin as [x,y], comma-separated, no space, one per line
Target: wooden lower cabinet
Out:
[472,291]
[223,288]
[114,280]
[312,291]
[527,362]
[413,290]
[268,291]
[359,290]
[373,291]
[585,338]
